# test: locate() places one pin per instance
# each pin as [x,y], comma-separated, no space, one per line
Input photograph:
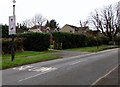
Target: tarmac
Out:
[111,79]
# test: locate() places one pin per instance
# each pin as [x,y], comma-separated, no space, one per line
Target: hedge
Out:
[104,40]
[117,40]
[64,40]
[7,44]
[68,40]
[35,41]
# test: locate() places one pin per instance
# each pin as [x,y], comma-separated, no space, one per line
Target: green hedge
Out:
[35,41]
[117,40]
[69,40]
[64,40]
[7,44]
[104,40]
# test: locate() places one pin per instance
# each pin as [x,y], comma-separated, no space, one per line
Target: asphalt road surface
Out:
[76,70]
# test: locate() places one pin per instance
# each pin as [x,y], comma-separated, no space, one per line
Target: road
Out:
[76,70]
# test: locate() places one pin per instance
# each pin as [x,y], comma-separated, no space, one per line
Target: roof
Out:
[71,26]
[77,28]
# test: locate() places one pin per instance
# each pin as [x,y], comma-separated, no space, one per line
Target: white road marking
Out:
[24,67]
[48,70]
[104,76]
[79,61]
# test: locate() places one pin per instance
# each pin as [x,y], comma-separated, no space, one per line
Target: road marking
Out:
[46,71]
[103,76]
[23,67]
[79,61]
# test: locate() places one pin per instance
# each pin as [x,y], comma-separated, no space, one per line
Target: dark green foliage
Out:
[91,41]
[5,31]
[104,40]
[69,40]
[36,41]
[7,44]
[117,40]
[52,24]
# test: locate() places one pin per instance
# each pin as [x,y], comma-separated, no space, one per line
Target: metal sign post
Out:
[12,30]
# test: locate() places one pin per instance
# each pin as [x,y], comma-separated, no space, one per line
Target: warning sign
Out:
[12,26]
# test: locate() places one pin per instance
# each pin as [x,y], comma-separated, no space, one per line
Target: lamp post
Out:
[13,44]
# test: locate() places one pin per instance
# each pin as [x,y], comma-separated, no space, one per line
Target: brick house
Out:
[74,29]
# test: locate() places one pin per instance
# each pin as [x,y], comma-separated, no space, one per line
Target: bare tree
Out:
[107,21]
[38,20]
[83,24]
[27,23]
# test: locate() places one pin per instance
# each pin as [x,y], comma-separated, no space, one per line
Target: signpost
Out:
[12,27]
[12,30]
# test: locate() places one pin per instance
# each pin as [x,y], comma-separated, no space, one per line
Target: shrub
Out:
[104,40]
[68,40]
[35,41]
[7,44]
[117,40]
[91,41]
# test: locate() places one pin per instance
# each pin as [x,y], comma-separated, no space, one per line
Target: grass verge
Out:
[26,53]
[93,49]
[23,61]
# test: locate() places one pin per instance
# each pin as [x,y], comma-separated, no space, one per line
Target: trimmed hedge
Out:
[35,41]
[104,40]
[117,40]
[64,40]
[69,40]
[7,44]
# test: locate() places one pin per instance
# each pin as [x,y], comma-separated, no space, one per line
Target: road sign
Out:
[12,26]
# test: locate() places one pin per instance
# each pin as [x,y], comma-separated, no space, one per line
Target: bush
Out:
[7,45]
[4,31]
[117,40]
[68,40]
[104,40]
[35,41]
[91,41]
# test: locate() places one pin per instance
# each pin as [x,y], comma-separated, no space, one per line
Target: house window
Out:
[71,31]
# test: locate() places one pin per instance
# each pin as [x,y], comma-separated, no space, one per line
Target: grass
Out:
[90,49]
[23,61]
[26,53]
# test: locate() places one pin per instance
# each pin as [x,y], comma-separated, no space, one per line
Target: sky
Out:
[63,11]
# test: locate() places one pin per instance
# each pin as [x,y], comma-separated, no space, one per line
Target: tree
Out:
[84,24]
[52,24]
[4,31]
[38,20]
[27,23]
[107,21]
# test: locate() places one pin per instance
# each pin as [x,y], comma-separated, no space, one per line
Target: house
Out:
[35,28]
[94,33]
[73,29]
[38,28]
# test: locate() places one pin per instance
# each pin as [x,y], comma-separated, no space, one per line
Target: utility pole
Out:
[13,44]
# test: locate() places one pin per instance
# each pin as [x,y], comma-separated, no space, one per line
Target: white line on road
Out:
[79,61]
[104,76]
[52,69]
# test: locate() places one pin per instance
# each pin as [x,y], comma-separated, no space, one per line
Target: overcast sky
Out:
[63,11]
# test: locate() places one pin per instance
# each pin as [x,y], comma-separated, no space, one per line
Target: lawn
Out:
[26,53]
[23,61]
[92,49]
